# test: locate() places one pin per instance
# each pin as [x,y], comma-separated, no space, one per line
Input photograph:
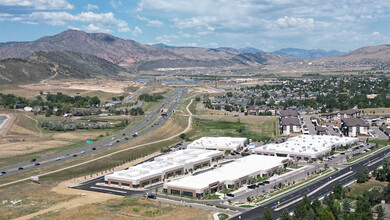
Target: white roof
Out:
[162,164]
[307,144]
[218,143]
[247,166]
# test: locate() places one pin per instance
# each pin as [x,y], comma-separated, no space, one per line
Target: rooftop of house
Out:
[352,122]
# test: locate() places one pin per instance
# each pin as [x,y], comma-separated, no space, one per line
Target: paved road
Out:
[317,189]
[103,144]
[310,125]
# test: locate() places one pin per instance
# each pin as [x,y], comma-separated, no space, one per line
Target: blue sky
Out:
[267,24]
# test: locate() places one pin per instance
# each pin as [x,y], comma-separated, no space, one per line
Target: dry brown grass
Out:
[377,111]
[126,208]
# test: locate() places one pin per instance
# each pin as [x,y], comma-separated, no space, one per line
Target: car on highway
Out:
[117,141]
[112,138]
[37,164]
[126,138]
[20,168]
[33,160]
[3,172]
[94,148]
[135,134]
[74,155]
[124,134]
[58,158]
[110,144]
[82,152]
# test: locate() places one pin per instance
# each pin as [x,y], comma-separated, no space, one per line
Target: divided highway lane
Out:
[315,190]
[103,144]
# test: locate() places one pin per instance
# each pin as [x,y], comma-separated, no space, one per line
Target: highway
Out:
[107,143]
[315,190]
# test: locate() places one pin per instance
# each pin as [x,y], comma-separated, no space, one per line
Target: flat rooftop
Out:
[227,173]
[162,164]
[218,143]
[307,144]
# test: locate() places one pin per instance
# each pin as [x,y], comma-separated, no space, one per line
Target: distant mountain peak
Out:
[307,54]
[250,50]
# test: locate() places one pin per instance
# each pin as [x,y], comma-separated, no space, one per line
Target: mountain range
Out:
[78,54]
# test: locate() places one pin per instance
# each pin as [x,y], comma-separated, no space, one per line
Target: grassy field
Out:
[129,207]
[34,197]
[358,188]
[255,128]
[371,111]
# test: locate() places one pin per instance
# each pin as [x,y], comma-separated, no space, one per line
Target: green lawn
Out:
[224,128]
[222,216]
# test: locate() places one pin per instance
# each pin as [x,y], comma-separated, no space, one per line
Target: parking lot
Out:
[378,133]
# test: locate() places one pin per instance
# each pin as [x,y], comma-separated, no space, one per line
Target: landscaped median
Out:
[288,189]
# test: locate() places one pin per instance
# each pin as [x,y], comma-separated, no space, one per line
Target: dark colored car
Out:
[117,141]
[3,172]
[126,138]
[123,134]
[151,197]
[33,160]
[74,155]
[266,182]
[260,184]
[230,195]
[20,168]
[37,164]
[94,148]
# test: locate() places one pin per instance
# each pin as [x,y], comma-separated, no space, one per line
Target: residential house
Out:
[289,125]
[353,127]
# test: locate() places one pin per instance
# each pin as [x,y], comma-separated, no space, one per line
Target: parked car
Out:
[230,195]
[37,164]
[266,182]
[151,197]
[20,168]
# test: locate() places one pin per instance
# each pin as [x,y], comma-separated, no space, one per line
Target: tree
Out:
[311,214]
[94,101]
[121,97]
[267,215]
[197,99]
[346,206]
[182,136]
[229,94]
[380,212]
[338,191]
[361,177]
[285,215]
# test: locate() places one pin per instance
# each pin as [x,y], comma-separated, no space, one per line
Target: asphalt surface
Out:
[110,142]
[317,189]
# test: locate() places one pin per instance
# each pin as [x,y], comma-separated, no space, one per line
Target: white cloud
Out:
[136,31]
[150,22]
[39,4]
[115,4]
[96,28]
[295,22]
[104,22]
[90,7]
